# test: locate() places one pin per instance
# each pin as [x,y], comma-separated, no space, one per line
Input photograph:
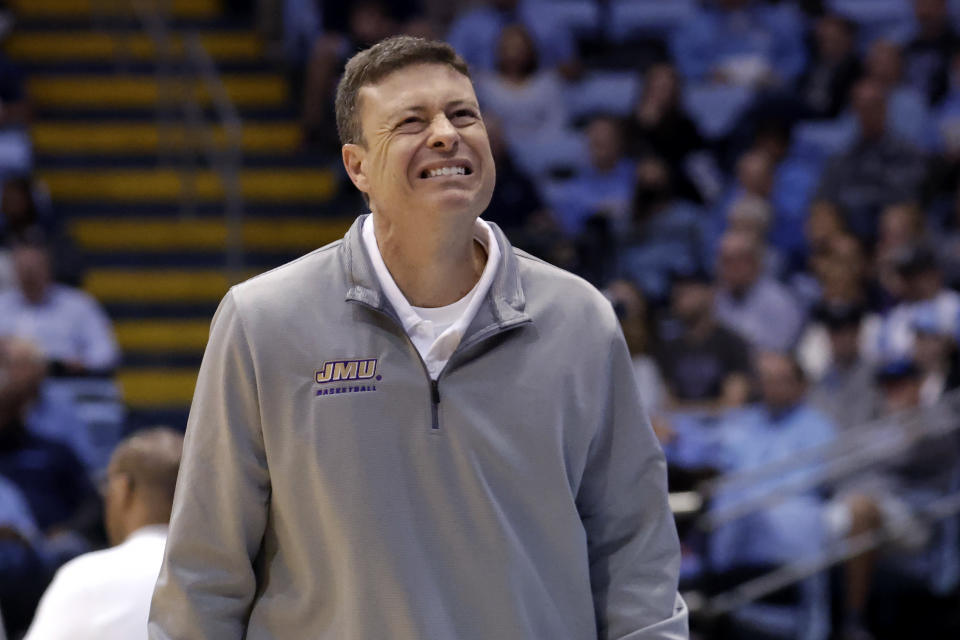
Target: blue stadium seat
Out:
[634,18]
[567,151]
[582,17]
[716,108]
[613,92]
[877,18]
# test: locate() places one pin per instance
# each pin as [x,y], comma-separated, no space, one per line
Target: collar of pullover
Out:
[502,308]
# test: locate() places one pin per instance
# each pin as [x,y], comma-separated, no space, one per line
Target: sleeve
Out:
[207,581]
[632,541]
[97,342]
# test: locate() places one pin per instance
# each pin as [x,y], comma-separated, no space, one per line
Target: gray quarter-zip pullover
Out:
[329,490]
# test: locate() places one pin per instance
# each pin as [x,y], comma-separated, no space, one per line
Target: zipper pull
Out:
[435,391]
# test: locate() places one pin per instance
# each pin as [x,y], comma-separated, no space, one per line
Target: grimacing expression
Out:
[425,146]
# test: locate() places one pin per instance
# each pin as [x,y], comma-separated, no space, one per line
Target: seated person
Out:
[67,324]
[475,33]
[743,42]
[23,573]
[49,476]
[705,366]
[106,594]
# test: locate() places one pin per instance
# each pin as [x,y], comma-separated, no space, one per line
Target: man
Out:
[847,391]
[105,595]
[878,169]
[706,366]
[757,307]
[67,324]
[417,431]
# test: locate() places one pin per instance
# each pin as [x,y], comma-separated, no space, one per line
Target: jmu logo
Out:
[337,370]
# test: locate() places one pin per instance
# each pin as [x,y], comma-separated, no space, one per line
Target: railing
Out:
[187,77]
[855,451]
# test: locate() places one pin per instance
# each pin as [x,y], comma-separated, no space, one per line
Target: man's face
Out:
[780,386]
[425,147]
[603,140]
[690,301]
[738,264]
[32,266]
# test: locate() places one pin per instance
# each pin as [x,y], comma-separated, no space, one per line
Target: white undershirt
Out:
[436,331]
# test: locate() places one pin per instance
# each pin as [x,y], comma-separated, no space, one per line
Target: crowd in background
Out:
[767,191]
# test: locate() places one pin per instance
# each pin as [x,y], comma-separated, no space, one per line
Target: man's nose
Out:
[443,135]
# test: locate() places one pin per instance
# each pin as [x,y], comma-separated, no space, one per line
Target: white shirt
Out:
[103,595]
[435,332]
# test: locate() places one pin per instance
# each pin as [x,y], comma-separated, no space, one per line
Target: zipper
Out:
[434,405]
[435,384]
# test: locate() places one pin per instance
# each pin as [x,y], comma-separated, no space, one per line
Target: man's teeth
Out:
[447,171]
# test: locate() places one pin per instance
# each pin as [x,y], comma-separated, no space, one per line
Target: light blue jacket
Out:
[521,497]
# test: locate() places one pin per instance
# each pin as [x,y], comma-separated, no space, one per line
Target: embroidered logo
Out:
[363,370]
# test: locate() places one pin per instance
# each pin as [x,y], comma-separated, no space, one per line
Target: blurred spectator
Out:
[16,155]
[901,227]
[475,33]
[742,42]
[907,113]
[913,461]
[846,390]
[928,53]
[760,309]
[48,474]
[781,425]
[947,242]
[935,353]
[67,324]
[705,366]
[23,572]
[919,286]
[20,210]
[660,127]
[664,233]
[527,102]
[516,205]
[877,170]
[106,594]
[631,310]
[824,87]
[947,116]
[367,22]
[605,187]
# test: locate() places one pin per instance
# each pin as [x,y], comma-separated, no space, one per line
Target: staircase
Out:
[158,267]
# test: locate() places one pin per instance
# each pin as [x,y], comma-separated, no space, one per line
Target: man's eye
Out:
[464,116]
[410,123]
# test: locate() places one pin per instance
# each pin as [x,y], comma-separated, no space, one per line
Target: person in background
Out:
[742,42]
[526,101]
[631,310]
[878,169]
[760,309]
[846,391]
[658,126]
[605,187]
[908,114]
[664,234]
[475,33]
[705,366]
[928,54]
[48,473]
[67,324]
[919,289]
[23,570]
[825,85]
[936,355]
[105,595]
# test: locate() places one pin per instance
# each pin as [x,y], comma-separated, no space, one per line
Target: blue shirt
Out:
[475,34]
[67,325]
[791,528]
[714,37]
[767,316]
[594,191]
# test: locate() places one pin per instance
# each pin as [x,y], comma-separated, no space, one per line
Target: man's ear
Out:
[353,155]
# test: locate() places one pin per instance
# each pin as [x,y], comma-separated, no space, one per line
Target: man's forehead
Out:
[421,85]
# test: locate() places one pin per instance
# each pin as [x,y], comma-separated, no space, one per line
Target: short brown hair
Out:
[151,458]
[373,64]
